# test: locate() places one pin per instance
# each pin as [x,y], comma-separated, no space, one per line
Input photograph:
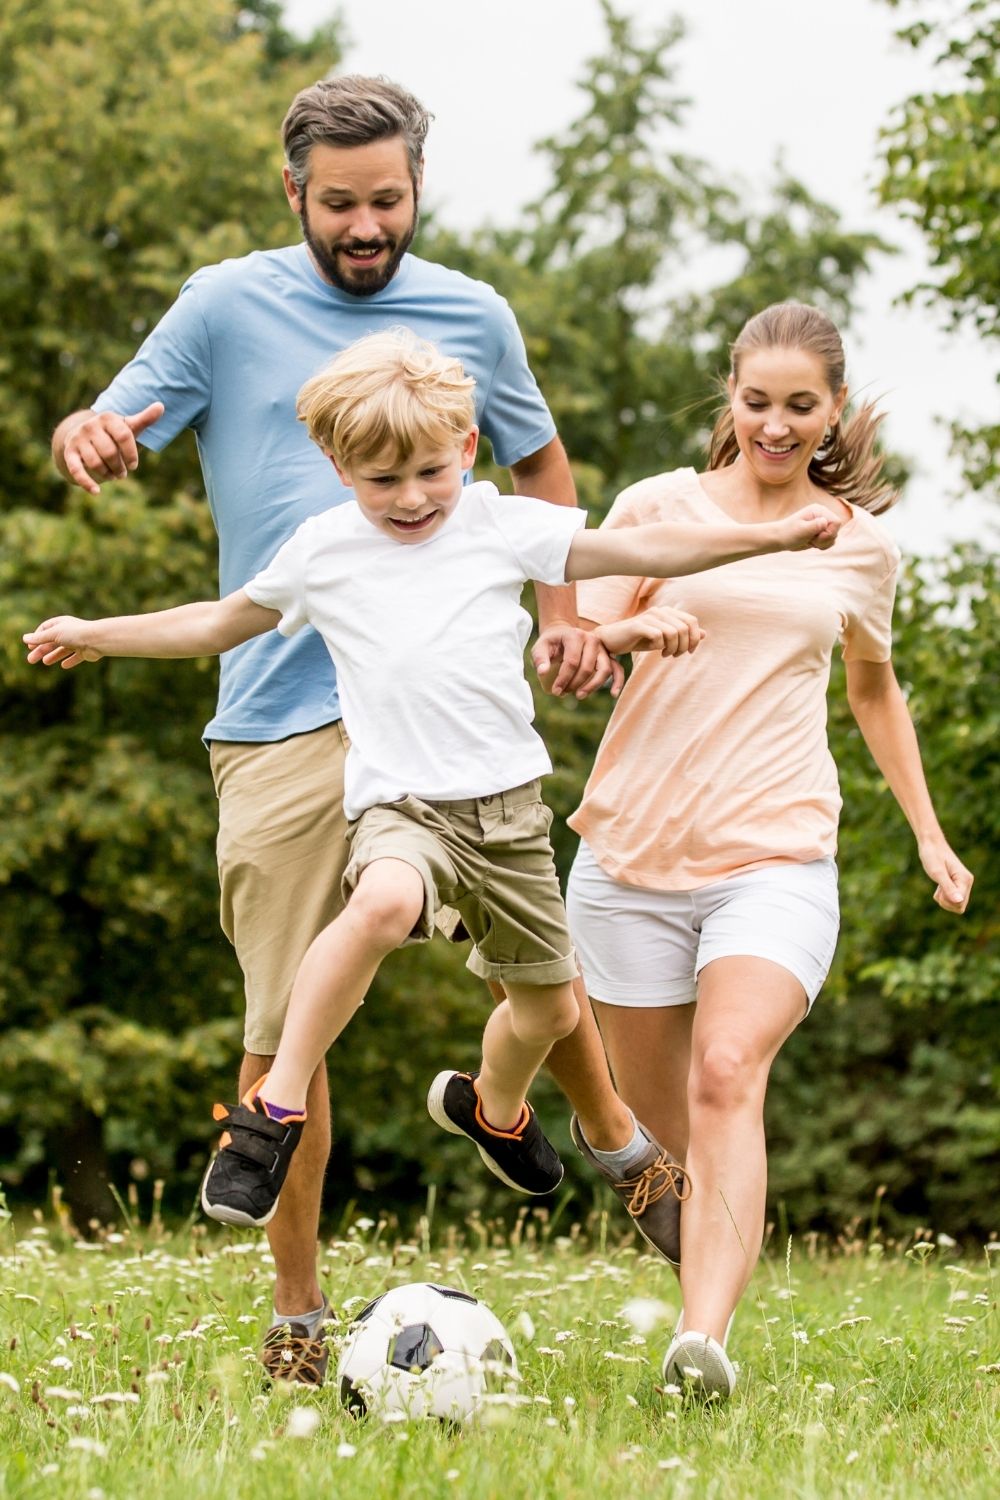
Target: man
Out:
[227,360]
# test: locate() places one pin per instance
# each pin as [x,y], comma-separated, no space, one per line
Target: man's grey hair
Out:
[352,111]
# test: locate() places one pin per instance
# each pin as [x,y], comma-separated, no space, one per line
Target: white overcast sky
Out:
[815,81]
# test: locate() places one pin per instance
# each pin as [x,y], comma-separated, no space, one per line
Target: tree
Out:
[118,996]
[941,173]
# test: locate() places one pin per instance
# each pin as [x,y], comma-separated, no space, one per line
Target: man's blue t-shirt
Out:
[228,360]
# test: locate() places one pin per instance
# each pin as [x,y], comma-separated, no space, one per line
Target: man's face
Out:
[358,213]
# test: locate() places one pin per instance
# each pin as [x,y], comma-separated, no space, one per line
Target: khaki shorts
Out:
[490,859]
[282,849]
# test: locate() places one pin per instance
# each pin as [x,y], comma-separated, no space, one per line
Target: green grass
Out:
[129,1369]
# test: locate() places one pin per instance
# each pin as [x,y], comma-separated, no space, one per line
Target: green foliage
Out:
[137,141]
[120,999]
[893,1082]
[942,172]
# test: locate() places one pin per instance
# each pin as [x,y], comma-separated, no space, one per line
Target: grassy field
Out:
[128,1368]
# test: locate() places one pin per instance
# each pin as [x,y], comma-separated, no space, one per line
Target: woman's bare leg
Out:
[747,1007]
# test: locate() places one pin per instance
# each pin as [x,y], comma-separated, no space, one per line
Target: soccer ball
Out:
[424,1351]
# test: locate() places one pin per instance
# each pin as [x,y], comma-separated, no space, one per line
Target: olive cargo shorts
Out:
[490,859]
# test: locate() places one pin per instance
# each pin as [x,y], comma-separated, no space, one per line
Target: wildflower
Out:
[88,1445]
[348,1450]
[60,1363]
[644,1314]
[60,1393]
[824,1388]
[553,1353]
[452,1474]
[525,1326]
[10,1382]
[115,1398]
[851,1322]
[670,1463]
[852,1457]
[946,1241]
[302,1422]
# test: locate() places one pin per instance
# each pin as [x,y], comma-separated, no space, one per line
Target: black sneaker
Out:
[246,1175]
[521,1158]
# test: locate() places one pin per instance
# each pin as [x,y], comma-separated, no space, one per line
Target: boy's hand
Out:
[672,632]
[104,446]
[814,526]
[62,639]
[570,660]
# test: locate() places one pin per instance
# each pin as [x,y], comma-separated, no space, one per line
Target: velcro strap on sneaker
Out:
[242,1118]
[255,1137]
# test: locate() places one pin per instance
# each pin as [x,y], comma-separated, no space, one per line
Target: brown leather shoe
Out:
[290,1354]
[652,1192]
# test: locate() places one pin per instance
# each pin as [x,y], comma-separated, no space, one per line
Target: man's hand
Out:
[570,660]
[814,526]
[952,879]
[103,446]
[672,632]
[63,639]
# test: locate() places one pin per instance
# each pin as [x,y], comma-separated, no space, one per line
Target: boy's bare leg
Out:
[337,969]
[579,1066]
[518,1035]
[294,1231]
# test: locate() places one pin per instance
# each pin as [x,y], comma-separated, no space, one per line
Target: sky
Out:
[814,82]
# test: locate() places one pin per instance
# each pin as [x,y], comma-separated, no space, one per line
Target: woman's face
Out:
[782,409]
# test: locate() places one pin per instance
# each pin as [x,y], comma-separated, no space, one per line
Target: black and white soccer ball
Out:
[424,1351]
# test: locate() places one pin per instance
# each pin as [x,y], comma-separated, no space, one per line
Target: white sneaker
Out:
[697,1362]
[729,1327]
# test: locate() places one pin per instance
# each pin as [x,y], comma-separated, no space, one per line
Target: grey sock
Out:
[620,1162]
[312,1320]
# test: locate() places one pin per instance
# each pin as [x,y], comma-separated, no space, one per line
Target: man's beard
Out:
[355,280]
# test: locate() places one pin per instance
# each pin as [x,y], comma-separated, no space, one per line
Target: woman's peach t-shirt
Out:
[718,762]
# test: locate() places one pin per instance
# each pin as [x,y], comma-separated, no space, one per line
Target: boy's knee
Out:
[537,1021]
[387,902]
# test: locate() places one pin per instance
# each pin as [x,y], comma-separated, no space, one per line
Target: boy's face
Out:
[412,499]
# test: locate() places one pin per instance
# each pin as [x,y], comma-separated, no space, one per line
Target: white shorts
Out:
[647,948]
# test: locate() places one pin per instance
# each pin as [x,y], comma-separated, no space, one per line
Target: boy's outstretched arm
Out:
[202,629]
[666,550]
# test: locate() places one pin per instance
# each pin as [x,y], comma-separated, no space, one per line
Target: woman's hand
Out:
[943,866]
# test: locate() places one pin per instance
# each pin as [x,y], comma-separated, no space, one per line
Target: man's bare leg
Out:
[293,1233]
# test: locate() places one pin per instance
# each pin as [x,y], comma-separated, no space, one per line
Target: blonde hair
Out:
[383,395]
[848,464]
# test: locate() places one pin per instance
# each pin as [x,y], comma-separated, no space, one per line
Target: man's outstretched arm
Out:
[88,446]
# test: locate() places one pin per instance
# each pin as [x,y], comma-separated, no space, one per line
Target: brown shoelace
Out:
[290,1357]
[664,1175]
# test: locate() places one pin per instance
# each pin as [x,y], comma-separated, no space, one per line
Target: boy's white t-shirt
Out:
[428,640]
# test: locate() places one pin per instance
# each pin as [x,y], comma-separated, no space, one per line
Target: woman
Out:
[703,900]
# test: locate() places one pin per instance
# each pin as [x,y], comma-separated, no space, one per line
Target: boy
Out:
[441,784]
